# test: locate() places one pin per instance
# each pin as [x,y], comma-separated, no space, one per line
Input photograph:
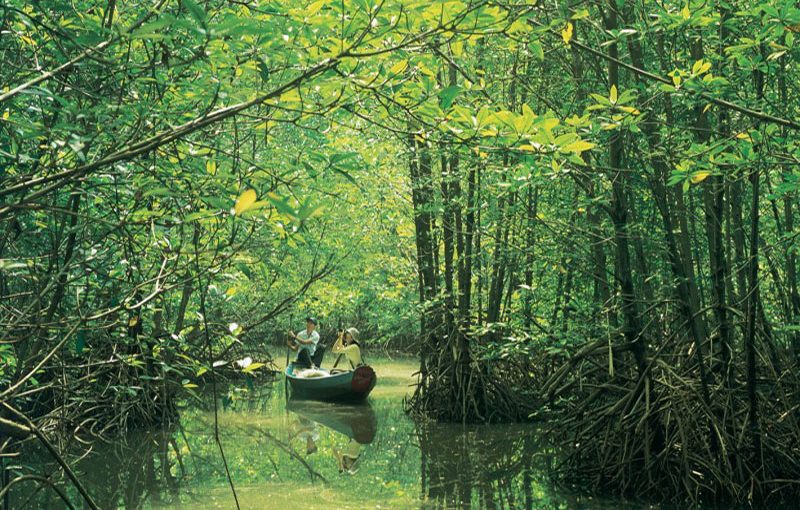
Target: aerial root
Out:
[662,439]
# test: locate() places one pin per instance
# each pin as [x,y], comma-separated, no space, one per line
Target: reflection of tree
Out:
[486,467]
[122,473]
[287,448]
[146,468]
[463,467]
[493,467]
[265,400]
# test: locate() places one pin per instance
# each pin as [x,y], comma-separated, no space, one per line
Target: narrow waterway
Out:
[313,455]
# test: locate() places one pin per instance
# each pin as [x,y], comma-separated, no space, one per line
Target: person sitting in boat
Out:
[348,349]
[305,343]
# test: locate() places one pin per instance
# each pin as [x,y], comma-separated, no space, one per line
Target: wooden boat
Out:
[347,386]
[356,421]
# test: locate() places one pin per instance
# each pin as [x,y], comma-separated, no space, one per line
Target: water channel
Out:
[308,455]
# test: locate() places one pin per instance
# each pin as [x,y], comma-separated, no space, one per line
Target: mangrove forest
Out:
[357,254]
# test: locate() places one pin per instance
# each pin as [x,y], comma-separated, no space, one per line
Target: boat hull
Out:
[351,386]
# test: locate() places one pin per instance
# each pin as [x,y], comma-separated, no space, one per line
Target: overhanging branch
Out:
[766,117]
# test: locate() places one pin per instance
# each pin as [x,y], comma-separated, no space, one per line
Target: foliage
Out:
[585,211]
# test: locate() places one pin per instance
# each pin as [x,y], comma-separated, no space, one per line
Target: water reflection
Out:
[320,454]
[306,430]
[479,467]
[357,423]
[147,466]
[497,467]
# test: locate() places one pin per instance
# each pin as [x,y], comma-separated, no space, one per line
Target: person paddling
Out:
[347,347]
[305,343]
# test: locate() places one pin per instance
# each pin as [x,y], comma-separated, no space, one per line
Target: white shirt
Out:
[314,337]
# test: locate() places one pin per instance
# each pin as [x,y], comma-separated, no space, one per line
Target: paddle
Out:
[288,336]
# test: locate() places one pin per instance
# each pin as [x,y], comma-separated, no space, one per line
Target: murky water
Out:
[310,455]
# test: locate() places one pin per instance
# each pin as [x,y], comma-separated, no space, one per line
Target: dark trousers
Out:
[303,359]
[318,354]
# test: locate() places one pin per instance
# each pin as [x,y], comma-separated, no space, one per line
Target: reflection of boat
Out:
[352,385]
[357,422]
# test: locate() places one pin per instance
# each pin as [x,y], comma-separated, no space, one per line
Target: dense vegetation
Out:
[579,212]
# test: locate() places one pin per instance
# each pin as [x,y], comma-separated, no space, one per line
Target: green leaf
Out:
[282,205]
[236,26]
[579,146]
[158,192]
[340,157]
[583,13]
[537,50]
[153,29]
[217,202]
[244,268]
[448,95]
[263,69]
[314,8]
[565,139]
[399,67]
[195,10]
[80,342]
[345,175]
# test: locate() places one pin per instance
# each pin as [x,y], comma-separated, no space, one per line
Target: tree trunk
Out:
[632,329]
[752,302]
[713,190]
